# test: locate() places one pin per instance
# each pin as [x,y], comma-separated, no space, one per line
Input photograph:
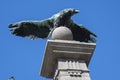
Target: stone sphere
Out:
[62,33]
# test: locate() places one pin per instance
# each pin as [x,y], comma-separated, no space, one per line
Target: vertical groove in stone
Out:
[67,65]
[70,64]
[77,65]
[74,66]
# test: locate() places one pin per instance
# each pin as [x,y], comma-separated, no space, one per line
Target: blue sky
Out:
[22,57]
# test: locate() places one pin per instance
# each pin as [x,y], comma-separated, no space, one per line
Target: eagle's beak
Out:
[76,11]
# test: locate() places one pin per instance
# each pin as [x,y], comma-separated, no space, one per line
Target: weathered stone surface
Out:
[64,49]
[70,69]
[72,64]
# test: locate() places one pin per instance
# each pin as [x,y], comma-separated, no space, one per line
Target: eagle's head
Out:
[69,11]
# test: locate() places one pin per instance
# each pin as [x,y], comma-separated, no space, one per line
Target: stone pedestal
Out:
[67,60]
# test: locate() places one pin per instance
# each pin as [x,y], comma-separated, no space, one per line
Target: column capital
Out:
[64,49]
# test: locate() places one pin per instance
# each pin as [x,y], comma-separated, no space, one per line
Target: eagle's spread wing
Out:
[80,33]
[31,29]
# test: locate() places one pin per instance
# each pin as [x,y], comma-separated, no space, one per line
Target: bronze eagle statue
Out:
[44,28]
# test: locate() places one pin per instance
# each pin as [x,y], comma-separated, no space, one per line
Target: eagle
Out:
[44,28]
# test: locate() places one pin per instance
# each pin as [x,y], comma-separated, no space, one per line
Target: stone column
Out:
[71,69]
